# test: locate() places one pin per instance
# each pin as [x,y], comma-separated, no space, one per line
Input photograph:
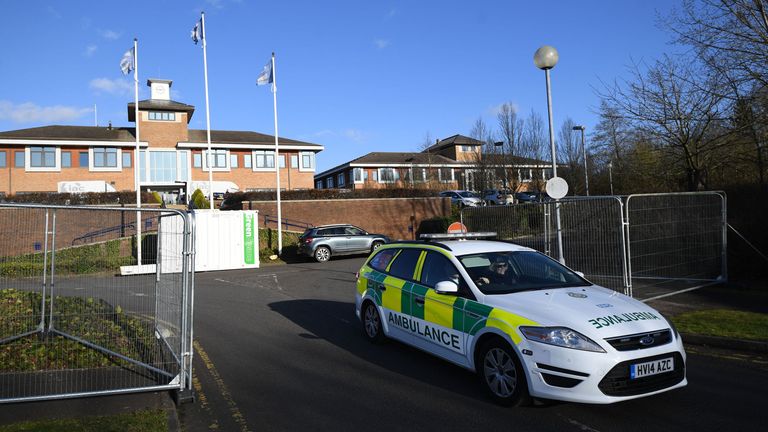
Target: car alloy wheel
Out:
[322,254]
[501,374]
[372,323]
[376,245]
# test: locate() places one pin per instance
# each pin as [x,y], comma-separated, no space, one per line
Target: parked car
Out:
[463,198]
[322,242]
[526,324]
[498,197]
[525,197]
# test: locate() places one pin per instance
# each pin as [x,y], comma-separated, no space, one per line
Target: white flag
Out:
[265,77]
[197,32]
[127,63]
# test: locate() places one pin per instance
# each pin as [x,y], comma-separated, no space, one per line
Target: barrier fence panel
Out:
[70,325]
[592,233]
[646,245]
[676,241]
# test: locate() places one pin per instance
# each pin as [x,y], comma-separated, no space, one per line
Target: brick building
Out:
[456,162]
[82,158]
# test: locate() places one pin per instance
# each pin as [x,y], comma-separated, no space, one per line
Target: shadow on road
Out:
[336,323]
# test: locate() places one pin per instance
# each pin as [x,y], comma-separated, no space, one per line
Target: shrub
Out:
[88,198]
[326,194]
[199,201]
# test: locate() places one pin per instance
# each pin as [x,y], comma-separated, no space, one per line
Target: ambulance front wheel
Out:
[372,323]
[501,373]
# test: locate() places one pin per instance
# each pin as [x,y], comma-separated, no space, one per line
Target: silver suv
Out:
[324,241]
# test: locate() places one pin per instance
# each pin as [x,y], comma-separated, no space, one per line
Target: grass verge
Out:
[139,421]
[724,323]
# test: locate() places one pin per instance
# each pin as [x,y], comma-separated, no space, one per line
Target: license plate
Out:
[655,367]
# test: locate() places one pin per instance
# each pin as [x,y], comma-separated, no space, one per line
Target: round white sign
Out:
[557,187]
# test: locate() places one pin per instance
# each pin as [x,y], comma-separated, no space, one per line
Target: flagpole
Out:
[207,112]
[138,154]
[277,163]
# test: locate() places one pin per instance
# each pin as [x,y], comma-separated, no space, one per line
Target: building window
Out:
[233,160]
[466,148]
[307,161]
[318,184]
[375,175]
[183,174]
[105,157]
[18,159]
[217,160]
[42,157]
[294,161]
[341,180]
[264,159]
[388,175]
[66,159]
[281,158]
[419,175]
[524,175]
[3,161]
[126,160]
[162,116]
[164,166]
[446,175]
[247,161]
[329,182]
[546,173]
[197,160]
[357,174]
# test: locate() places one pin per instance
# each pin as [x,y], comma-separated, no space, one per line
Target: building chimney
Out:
[160,89]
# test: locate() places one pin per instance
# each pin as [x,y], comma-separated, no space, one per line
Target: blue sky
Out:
[354,76]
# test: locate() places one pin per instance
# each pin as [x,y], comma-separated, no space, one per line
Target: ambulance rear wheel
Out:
[501,373]
[372,323]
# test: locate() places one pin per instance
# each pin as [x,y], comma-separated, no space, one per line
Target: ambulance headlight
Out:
[562,337]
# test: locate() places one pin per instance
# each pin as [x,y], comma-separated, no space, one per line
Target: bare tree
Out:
[613,133]
[730,36]
[569,151]
[666,105]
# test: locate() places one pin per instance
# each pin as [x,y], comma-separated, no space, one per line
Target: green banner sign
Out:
[248,239]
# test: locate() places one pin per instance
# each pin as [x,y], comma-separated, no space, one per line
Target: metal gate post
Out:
[724,249]
[624,226]
[628,250]
[53,268]
[45,274]
[186,391]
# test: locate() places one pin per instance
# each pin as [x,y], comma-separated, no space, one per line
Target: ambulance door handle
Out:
[419,300]
[382,287]
[472,314]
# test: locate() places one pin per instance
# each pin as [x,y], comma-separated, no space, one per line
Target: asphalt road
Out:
[279,348]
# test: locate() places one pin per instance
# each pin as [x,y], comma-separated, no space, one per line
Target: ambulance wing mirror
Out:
[580,274]
[446,287]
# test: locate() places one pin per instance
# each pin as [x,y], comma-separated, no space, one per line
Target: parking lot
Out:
[279,348]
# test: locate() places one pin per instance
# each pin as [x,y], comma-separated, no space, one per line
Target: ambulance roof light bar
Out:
[458,236]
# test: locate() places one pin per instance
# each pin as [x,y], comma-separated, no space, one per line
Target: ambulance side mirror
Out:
[580,273]
[446,287]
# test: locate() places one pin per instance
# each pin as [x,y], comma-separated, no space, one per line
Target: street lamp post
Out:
[546,58]
[610,175]
[584,151]
[503,161]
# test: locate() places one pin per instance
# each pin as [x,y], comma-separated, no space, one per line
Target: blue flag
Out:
[127,63]
[266,76]
[197,32]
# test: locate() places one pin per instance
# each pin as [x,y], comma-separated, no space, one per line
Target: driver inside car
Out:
[499,272]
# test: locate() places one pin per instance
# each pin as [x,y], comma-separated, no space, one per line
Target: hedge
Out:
[88,198]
